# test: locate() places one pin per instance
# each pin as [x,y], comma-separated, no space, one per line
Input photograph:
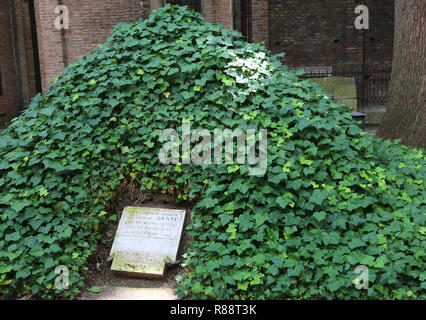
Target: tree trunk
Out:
[405,117]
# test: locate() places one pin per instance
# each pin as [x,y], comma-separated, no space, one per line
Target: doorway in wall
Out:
[35,45]
[192,4]
[243,18]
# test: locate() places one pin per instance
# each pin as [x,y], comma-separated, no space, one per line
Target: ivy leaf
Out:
[283,201]
[356,243]
[225,218]
[96,289]
[243,285]
[319,215]
[318,196]
[13,236]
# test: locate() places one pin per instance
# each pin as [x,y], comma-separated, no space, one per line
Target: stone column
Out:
[155,4]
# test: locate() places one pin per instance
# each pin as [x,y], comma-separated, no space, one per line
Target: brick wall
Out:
[223,11]
[91,23]
[379,38]
[260,21]
[218,11]
[322,33]
[49,42]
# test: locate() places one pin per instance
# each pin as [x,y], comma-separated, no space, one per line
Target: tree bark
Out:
[405,117]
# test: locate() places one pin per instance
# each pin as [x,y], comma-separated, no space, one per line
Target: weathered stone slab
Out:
[147,239]
[343,89]
[138,264]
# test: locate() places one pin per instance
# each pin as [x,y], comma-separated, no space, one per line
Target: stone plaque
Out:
[147,239]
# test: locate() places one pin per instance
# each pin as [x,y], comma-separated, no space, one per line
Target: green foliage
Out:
[332,197]
[95,289]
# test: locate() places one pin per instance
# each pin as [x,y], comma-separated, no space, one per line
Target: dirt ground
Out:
[100,273]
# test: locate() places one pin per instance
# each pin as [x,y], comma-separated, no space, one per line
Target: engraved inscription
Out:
[152,224]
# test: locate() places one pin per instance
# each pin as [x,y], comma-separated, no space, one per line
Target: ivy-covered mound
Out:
[332,198]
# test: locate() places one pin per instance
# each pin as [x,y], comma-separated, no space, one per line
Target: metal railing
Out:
[372,85]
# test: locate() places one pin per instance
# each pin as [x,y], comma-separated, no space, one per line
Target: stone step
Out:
[125,293]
